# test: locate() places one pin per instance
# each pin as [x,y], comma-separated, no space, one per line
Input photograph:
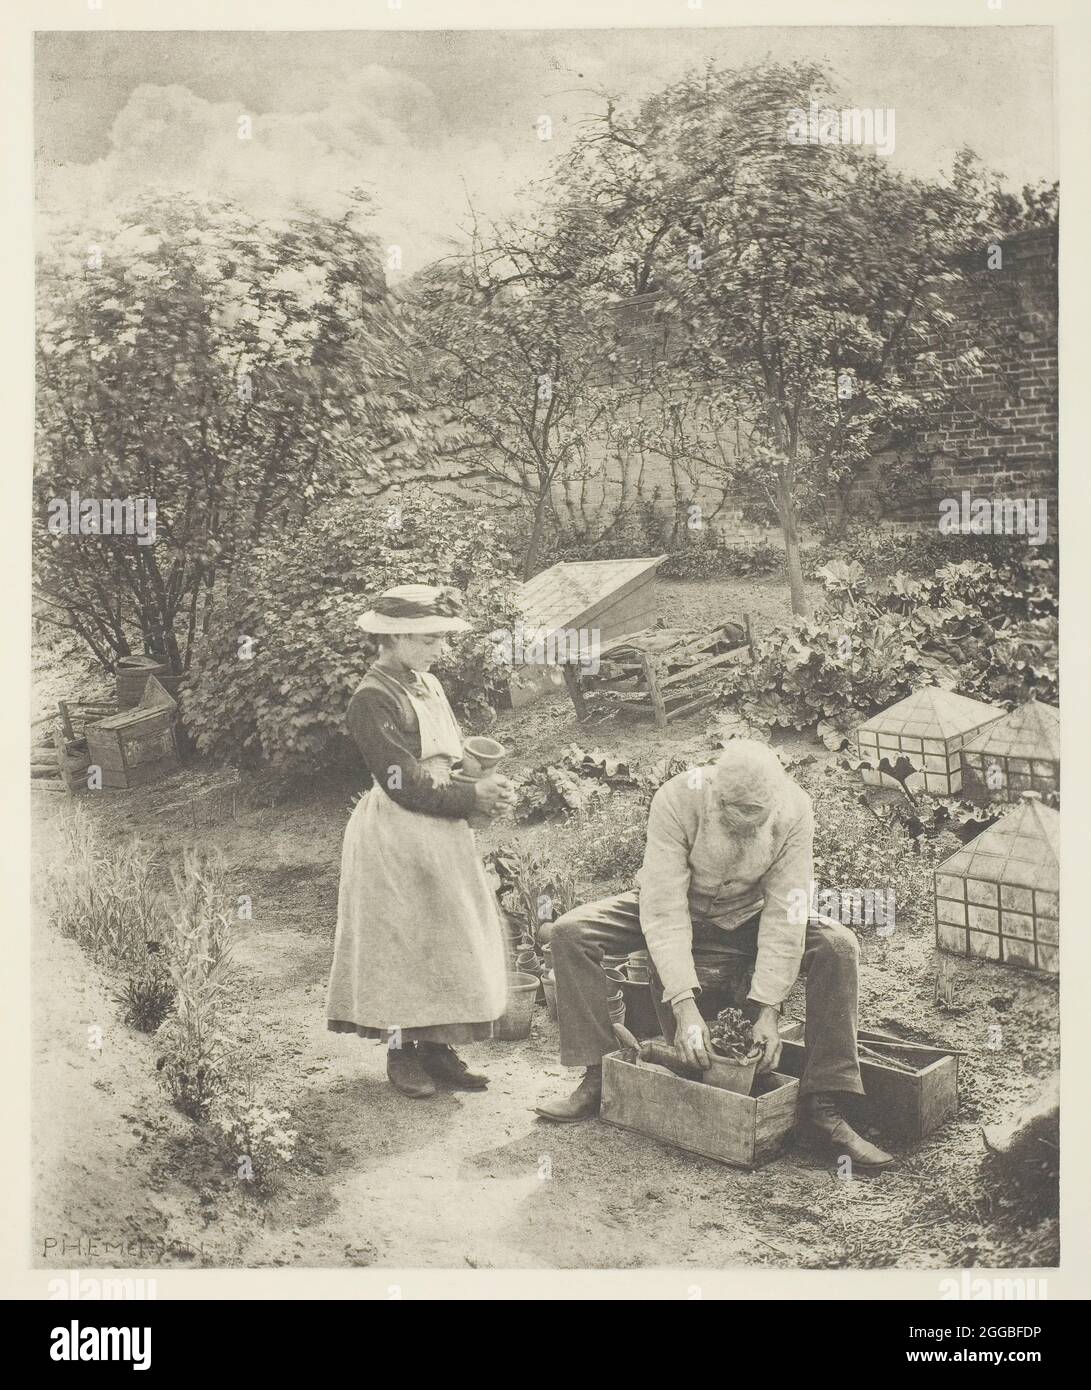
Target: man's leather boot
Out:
[821,1120]
[580,1105]
[405,1073]
[443,1064]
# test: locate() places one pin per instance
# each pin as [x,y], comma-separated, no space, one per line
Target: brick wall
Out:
[995,432]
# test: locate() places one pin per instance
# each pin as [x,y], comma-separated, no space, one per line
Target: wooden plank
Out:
[714,638]
[904,1105]
[701,702]
[739,1130]
[639,614]
[776,1117]
[695,670]
[938,1094]
[572,681]
[889,1045]
[573,594]
[653,692]
[641,641]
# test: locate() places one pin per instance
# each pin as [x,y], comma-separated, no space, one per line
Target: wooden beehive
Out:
[999,897]
[929,728]
[137,745]
[745,1131]
[1019,753]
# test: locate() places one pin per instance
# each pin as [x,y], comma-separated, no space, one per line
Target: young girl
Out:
[418,957]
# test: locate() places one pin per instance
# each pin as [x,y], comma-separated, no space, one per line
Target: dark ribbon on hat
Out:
[446,604]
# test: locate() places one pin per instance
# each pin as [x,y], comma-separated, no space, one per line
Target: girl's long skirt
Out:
[419,944]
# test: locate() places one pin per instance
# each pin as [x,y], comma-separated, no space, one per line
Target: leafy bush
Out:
[147,997]
[710,556]
[274,677]
[256,362]
[602,846]
[856,848]
[643,530]
[986,630]
[532,889]
[592,852]
[573,783]
[883,551]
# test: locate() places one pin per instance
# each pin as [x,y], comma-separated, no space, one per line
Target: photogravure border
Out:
[20,18]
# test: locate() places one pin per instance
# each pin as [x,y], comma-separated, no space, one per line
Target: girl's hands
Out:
[495,794]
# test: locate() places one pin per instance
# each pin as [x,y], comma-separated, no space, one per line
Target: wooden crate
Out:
[745,1131]
[904,1106]
[136,746]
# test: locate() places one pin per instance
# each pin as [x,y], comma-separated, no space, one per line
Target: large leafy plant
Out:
[273,680]
[987,630]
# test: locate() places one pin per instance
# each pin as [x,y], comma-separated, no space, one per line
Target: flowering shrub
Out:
[274,676]
[254,1139]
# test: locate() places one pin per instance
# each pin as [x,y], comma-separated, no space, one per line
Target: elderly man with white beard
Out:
[728,857]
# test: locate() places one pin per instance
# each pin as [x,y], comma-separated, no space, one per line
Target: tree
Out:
[514,359]
[234,371]
[801,277]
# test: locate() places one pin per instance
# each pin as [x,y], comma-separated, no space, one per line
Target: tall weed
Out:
[195,1061]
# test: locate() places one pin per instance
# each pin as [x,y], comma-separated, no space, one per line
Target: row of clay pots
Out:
[622,995]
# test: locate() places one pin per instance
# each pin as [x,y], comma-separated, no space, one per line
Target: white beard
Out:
[750,846]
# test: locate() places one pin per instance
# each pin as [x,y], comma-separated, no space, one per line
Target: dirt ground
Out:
[475,1180]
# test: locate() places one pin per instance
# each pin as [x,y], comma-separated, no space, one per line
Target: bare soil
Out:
[477,1180]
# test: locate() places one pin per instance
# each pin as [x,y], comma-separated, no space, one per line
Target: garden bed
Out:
[458,1181]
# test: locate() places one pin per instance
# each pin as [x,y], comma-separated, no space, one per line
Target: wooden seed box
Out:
[745,1131]
[903,1106]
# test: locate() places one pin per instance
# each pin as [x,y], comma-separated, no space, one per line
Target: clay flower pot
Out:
[549,985]
[480,756]
[729,1074]
[514,1023]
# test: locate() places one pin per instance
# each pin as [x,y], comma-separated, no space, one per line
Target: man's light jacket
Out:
[694,868]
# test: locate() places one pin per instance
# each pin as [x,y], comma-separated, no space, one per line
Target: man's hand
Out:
[691,1035]
[767,1034]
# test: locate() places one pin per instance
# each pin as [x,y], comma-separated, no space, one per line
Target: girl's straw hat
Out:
[415,608]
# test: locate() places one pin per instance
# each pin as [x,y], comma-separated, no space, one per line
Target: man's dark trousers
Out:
[579,939]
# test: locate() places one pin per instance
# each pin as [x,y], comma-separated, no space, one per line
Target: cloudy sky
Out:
[432,121]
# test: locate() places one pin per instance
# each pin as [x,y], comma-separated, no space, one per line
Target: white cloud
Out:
[377,129]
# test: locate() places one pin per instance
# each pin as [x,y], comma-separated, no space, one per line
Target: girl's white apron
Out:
[419,940]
